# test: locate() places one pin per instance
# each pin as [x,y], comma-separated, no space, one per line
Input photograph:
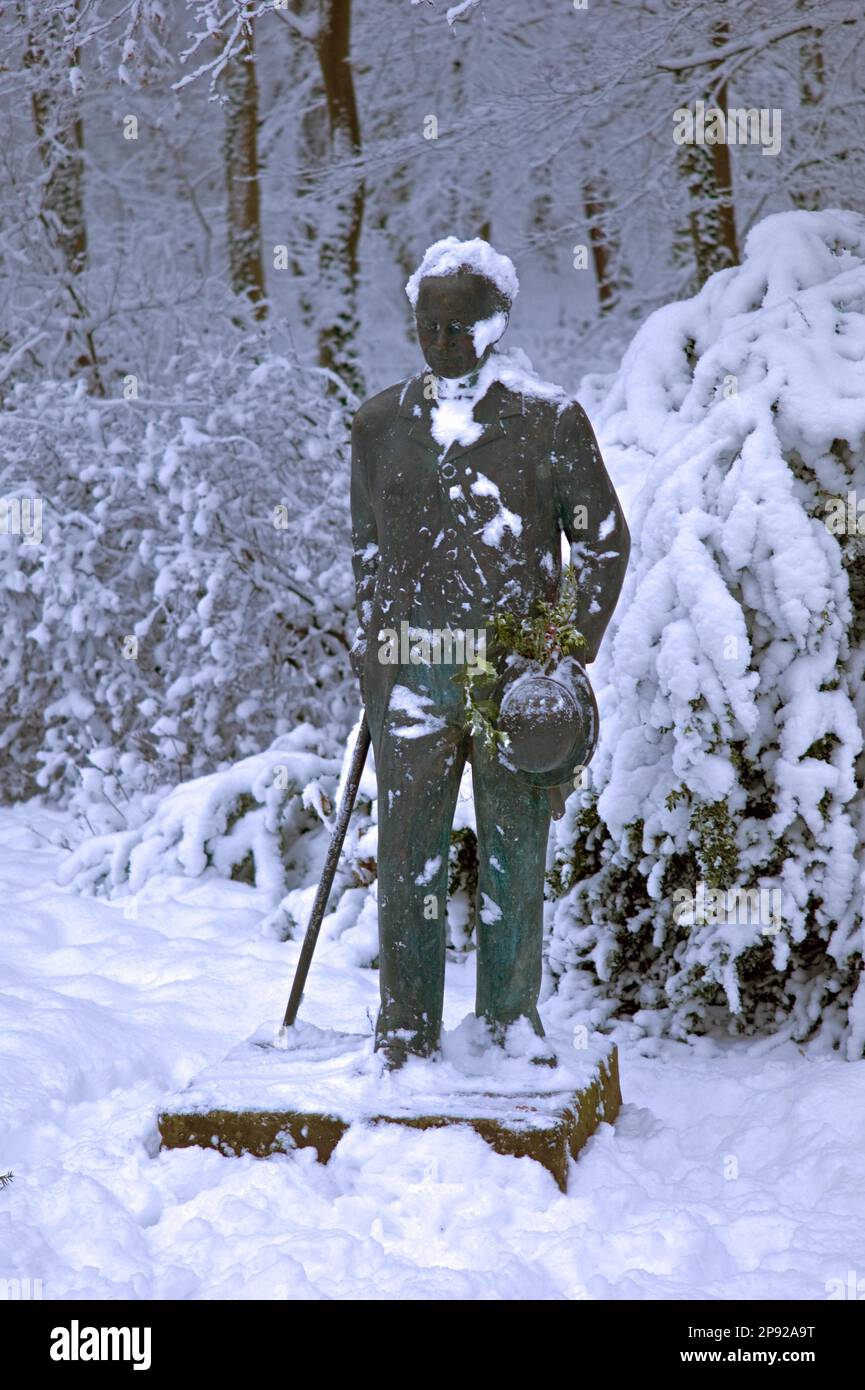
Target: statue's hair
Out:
[500,301]
[450,256]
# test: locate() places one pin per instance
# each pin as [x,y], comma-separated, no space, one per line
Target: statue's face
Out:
[448,307]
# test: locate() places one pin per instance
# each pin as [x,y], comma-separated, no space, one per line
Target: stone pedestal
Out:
[264,1099]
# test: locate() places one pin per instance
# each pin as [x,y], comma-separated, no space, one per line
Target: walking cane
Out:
[361,748]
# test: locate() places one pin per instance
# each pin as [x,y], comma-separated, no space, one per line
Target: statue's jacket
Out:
[447,539]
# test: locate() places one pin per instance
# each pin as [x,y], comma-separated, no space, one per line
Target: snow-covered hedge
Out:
[247,823]
[730,755]
[175,573]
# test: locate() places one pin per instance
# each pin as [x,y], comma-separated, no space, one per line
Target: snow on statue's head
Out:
[461,294]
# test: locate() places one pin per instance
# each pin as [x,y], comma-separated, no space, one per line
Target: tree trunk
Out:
[60,135]
[51,56]
[812,80]
[709,179]
[338,256]
[312,144]
[604,245]
[245,265]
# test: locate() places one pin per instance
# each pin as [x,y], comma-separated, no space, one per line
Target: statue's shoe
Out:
[520,1040]
[545,1056]
[395,1052]
[393,1055]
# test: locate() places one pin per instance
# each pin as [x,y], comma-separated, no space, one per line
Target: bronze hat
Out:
[551,718]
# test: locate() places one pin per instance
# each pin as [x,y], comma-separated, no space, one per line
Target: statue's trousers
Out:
[424,744]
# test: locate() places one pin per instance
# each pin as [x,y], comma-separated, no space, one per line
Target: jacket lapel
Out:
[491,410]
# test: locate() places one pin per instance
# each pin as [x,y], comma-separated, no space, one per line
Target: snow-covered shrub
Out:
[353,917]
[733,703]
[249,822]
[267,821]
[462,888]
[187,594]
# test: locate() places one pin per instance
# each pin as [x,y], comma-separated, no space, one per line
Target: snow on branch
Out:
[757,41]
[237,21]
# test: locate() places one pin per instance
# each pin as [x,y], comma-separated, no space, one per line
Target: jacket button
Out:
[448,471]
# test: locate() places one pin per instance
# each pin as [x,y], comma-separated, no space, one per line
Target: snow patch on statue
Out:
[493,531]
[490,911]
[417,708]
[488,331]
[450,255]
[452,418]
[430,869]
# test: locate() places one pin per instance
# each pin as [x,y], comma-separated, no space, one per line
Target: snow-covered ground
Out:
[734,1171]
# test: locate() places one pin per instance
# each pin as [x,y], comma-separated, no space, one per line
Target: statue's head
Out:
[461,294]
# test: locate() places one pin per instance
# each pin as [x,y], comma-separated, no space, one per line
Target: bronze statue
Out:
[464,479]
